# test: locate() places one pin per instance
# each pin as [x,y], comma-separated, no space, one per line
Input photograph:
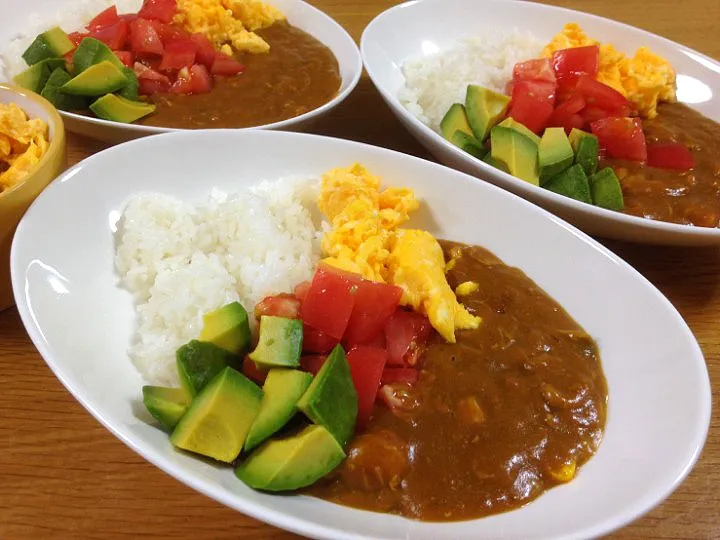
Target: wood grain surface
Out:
[62,475]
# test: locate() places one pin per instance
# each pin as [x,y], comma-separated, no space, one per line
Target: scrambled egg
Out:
[365,239]
[23,142]
[644,79]
[228,24]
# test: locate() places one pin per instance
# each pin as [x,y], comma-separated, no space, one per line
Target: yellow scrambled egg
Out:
[365,239]
[644,79]
[228,24]
[23,143]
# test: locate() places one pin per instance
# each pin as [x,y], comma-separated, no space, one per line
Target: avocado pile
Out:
[219,413]
[96,79]
[565,165]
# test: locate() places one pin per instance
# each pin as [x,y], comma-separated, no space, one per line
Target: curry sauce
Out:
[510,410]
[299,74]
[687,197]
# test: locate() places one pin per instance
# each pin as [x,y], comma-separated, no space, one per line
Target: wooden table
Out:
[62,475]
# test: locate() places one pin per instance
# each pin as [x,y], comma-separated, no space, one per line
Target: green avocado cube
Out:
[35,77]
[198,362]
[167,405]
[606,190]
[279,342]
[92,51]
[484,109]
[513,124]
[331,400]
[454,120]
[97,80]
[218,420]
[573,183]
[469,144]
[227,327]
[554,153]
[62,101]
[292,462]
[53,43]
[586,148]
[517,152]
[118,109]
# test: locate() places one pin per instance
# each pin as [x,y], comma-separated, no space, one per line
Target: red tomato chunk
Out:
[160,10]
[279,305]
[144,39]
[226,66]
[374,304]
[670,156]
[114,36]
[576,61]
[406,333]
[538,69]
[312,363]
[621,138]
[104,18]
[251,371]
[329,302]
[178,54]
[317,341]
[366,368]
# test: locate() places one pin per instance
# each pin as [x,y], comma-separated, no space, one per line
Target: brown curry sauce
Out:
[494,420]
[299,74]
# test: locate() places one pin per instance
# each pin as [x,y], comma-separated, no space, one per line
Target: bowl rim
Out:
[624,220]
[356,66]
[57,139]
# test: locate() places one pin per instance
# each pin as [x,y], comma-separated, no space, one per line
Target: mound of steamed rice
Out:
[71,17]
[436,81]
[180,260]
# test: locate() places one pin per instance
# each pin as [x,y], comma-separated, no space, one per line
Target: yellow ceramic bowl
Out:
[16,200]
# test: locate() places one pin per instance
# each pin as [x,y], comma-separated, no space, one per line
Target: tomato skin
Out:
[330,300]
[621,138]
[537,69]
[144,39]
[150,80]
[160,10]
[532,104]
[226,66]
[107,17]
[169,32]
[366,369]
[566,114]
[374,304]
[316,341]
[675,156]
[312,362]
[200,79]
[252,372]
[205,51]
[393,375]
[597,94]
[126,57]
[178,54]
[114,36]
[406,334]
[537,90]
[278,305]
[576,61]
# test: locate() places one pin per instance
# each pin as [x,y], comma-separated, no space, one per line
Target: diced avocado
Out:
[118,109]
[455,120]
[130,90]
[91,51]
[292,462]
[35,77]
[586,146]
[281,392]
[227,327]
[470,144]
[61,100]
[97,80]
[517,152]
[495,162]
[511,123]
[279,342]
[554,153]
[331,400]
[198,362]
[573,183]
[218,420]
[484,109]
[53,43]
[167,405]
[606,190]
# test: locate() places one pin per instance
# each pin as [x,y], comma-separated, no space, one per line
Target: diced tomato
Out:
[200,79]
[252,372]
[279,305]
[159,10]
[301,290]
[144,39]
[622,138]
[366,369]
[128,17]
[576,61]
[591,114]
[537,90]
[225,66]
[77,37]
[566,114]
[374,304]
[126,57]
[392,375]
[312,363]
[114,36]
[532,104]
[150,80]
[330,300]
[169,32]
[178,54]
[537,69]
[597,94]
[566,88]
[670,156]
[183,85]
[315,341]
[205,51]
[104,18]
[406,334]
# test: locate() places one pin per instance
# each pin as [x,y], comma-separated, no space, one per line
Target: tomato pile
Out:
[563,92]
[384,341]
[164,57]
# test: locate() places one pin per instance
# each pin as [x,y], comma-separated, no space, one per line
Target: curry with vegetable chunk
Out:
[494,420]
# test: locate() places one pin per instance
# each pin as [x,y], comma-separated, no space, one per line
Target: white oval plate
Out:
[81,322]
[22,18]
[430,25]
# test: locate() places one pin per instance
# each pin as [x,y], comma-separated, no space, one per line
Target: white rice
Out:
[434,82]
[71,18]
[181,260]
